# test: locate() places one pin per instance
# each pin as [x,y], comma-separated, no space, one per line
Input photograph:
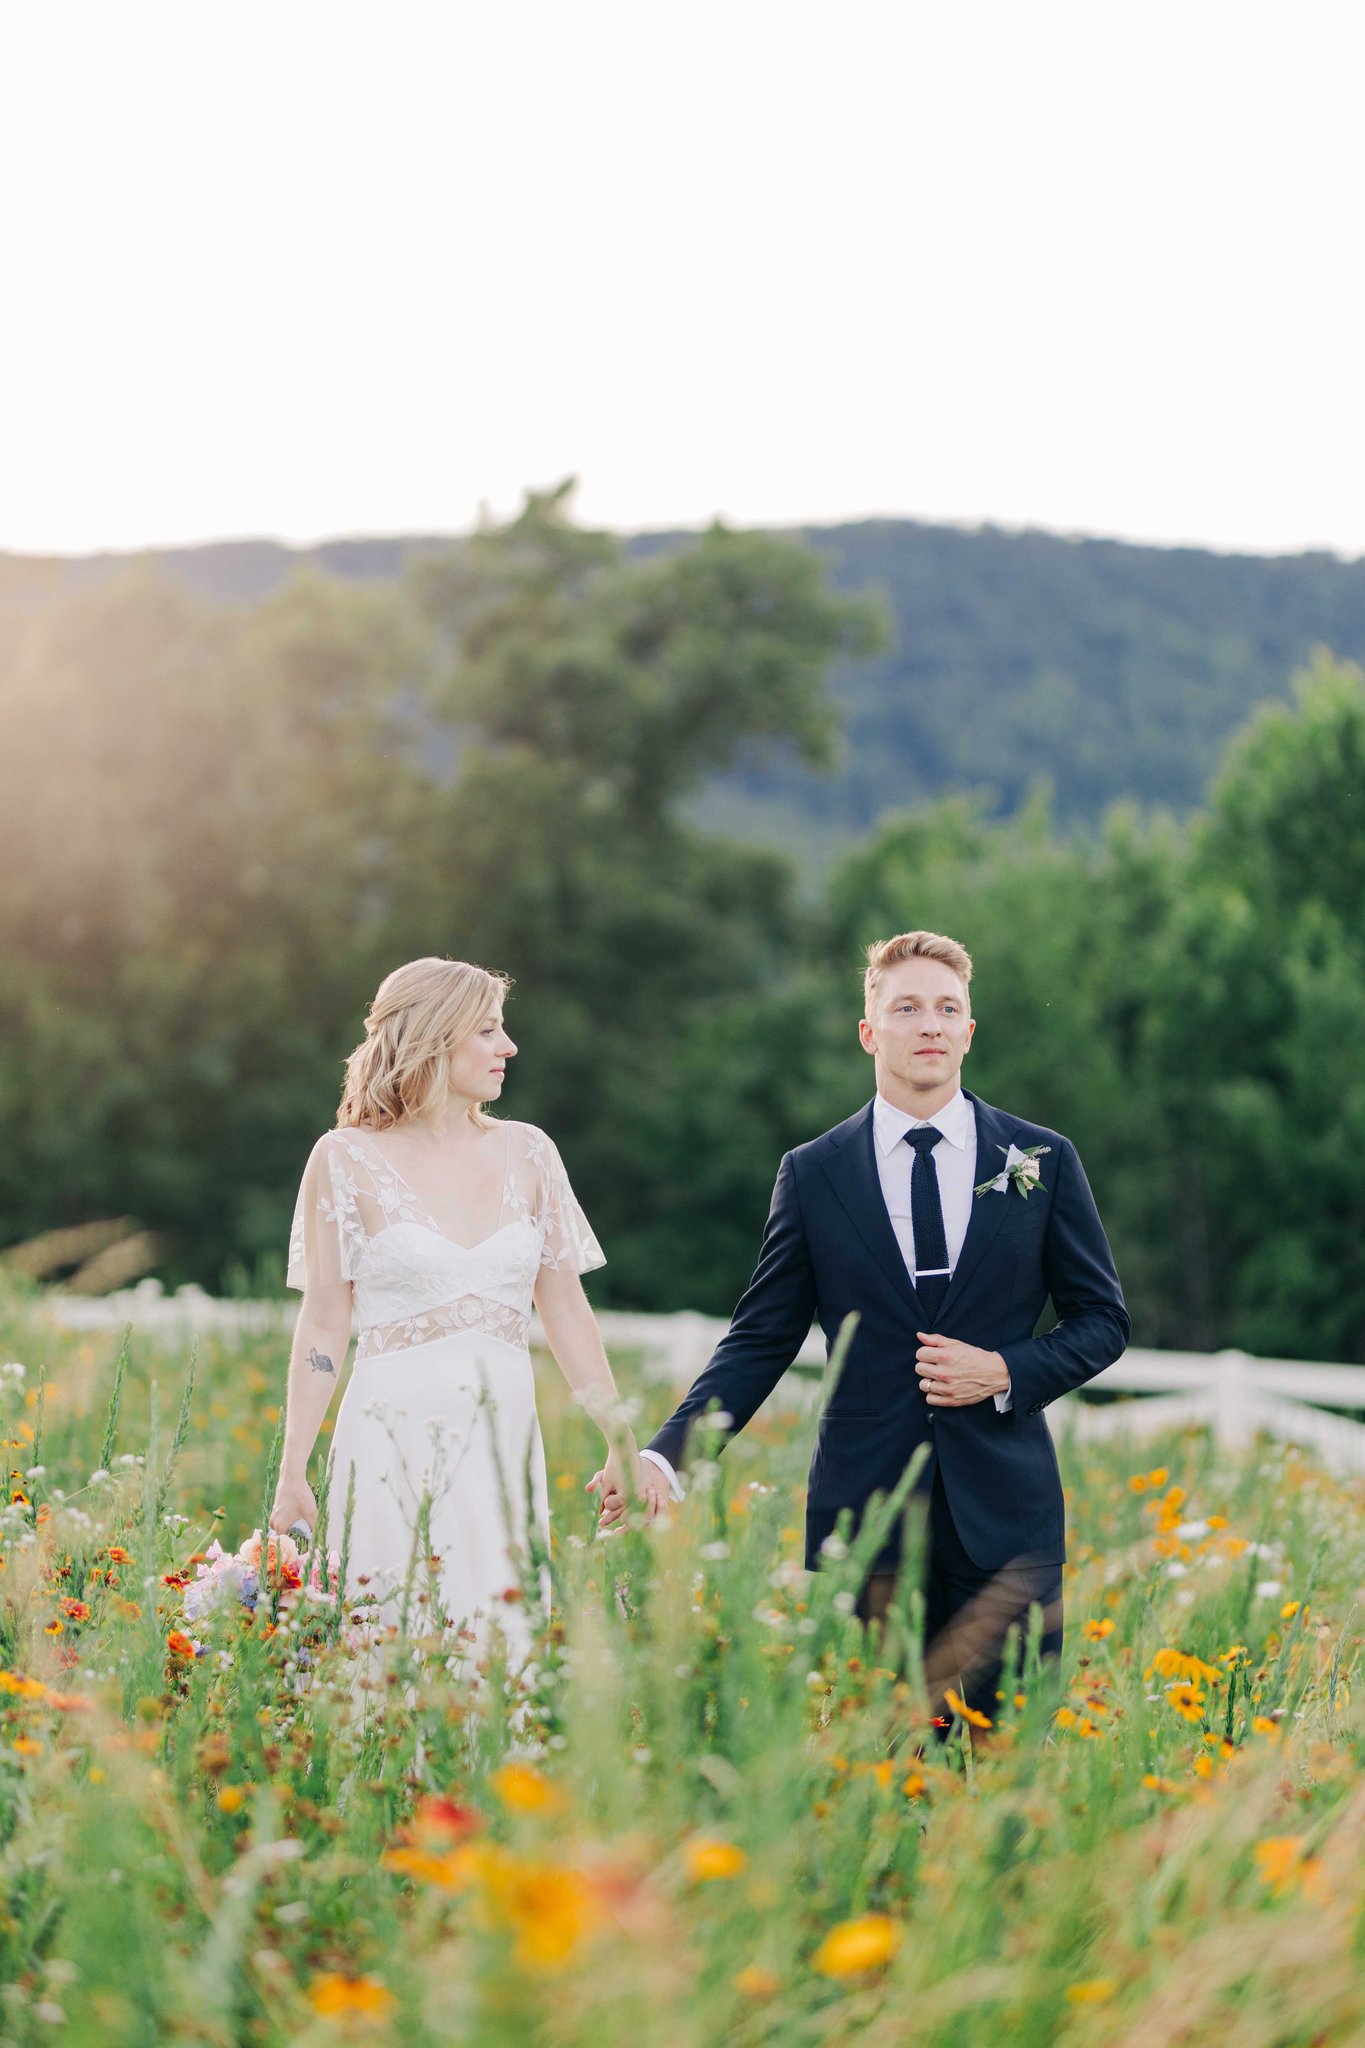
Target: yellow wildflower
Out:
[1277,1861]
[1178,1664]
[1187,1700]
[522,1789]
[706,1858]
[854,1946]
[550,1907]
[1262,1724]
[755,1982]
[1092,1990]
[1096,1631]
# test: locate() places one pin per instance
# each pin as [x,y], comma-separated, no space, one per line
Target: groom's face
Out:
[919,1029]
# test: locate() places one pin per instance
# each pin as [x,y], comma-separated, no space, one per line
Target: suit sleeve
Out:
[769,1327]
[1092,1329]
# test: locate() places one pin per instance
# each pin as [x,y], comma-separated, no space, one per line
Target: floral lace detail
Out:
[359,1221]
[569,1239]
[470,1312]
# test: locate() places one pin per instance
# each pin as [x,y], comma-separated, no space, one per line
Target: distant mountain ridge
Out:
[1110,669]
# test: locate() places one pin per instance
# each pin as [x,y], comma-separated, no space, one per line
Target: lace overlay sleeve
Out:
[567,1241]
[320,1242]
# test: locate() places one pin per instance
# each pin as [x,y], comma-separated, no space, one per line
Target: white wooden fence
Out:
[1235,1396]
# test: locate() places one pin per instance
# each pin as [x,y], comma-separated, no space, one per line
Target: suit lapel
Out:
[850,1166]
[993,1134]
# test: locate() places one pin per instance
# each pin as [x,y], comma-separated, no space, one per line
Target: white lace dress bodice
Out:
[358,1219]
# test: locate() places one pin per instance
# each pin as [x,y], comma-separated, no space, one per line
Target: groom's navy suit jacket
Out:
[829,1249]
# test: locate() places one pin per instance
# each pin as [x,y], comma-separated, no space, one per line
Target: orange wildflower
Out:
[335,1996]
[966,1713]
[437,1822]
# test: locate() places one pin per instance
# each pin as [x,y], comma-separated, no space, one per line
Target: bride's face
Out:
[479,1061]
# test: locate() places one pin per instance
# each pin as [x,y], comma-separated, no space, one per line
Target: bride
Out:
[438,1226]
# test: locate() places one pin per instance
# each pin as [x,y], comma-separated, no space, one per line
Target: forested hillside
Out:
[1110,670]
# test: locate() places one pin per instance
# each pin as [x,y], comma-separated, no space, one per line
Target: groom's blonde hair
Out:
[420,1014]
[884,953]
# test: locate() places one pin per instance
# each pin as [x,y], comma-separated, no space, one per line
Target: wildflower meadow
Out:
[710,1812]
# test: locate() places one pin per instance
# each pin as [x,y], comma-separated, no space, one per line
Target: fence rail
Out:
[1236,1396]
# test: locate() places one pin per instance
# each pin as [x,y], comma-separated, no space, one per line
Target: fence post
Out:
[1234,1403]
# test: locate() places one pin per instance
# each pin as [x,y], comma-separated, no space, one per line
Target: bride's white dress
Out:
[440,1407]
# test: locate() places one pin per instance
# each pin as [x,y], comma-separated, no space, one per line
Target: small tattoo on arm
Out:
[319,1361]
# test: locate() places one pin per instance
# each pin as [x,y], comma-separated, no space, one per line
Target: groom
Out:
[881,1215]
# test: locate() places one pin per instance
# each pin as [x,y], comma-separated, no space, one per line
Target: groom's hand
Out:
[956,1375]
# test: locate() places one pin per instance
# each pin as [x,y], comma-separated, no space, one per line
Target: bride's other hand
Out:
[610,1482]
[647,1486]
[294,1502]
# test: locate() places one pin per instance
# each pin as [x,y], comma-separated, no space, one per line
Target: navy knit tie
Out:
[926,1222]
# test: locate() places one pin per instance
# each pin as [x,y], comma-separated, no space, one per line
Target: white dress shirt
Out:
[955,1164]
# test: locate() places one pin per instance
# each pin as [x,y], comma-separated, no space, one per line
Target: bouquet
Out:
[237,1575]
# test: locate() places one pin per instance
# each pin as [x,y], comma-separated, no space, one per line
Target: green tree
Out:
[591,694]
[202,811]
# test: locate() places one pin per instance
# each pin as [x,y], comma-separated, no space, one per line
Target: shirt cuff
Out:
[674,1487]
[1004,1402]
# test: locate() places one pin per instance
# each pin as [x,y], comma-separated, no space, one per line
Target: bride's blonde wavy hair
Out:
[420,1014]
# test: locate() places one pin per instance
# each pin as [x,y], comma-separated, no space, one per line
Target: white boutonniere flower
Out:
[1021,1169]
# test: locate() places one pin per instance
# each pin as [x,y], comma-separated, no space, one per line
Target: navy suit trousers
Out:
[967,1612]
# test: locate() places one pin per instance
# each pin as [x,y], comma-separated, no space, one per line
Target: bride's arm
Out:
[321,1338]
[573,1336]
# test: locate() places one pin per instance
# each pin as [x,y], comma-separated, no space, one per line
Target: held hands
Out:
[646,1484]
[956,1375]
[294,1502]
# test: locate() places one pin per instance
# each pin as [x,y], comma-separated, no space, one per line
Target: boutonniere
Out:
[1021,1169]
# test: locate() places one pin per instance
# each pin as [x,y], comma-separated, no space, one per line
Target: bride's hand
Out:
[648,1486]
[294,1502]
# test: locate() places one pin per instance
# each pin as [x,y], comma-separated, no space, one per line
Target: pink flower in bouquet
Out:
[281,1553]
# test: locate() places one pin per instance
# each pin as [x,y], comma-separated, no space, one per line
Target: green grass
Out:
[717,1770]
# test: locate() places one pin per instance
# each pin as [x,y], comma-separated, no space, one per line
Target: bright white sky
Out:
[308,269]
